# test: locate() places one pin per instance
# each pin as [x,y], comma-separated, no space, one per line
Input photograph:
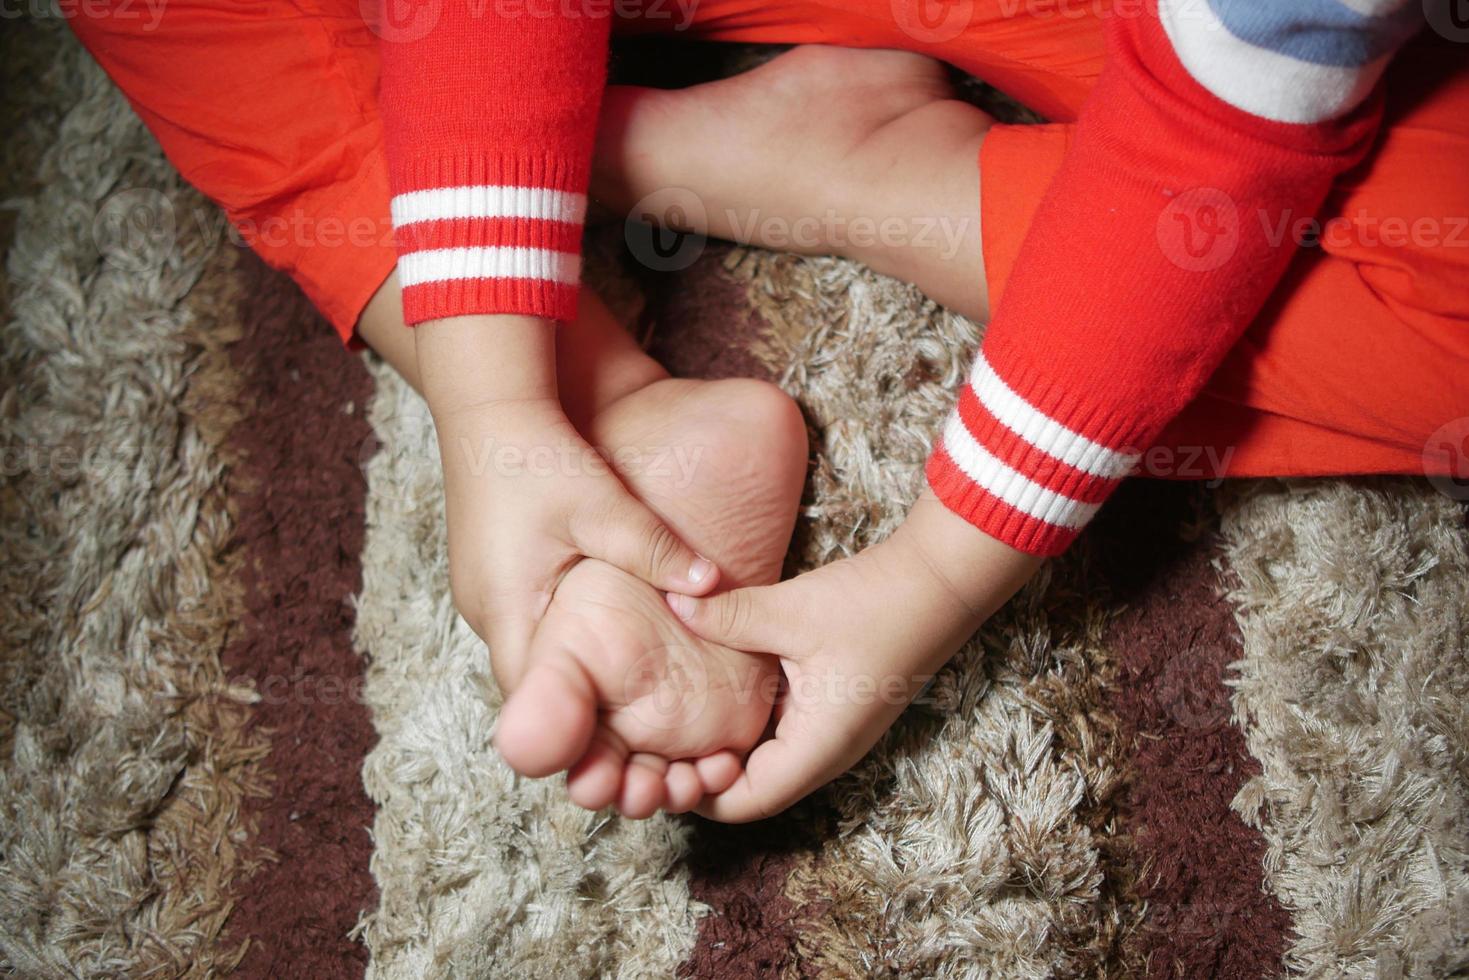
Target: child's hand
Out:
[857,640]
[526,496]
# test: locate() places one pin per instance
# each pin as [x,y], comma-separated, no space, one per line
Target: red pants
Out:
[1360,364]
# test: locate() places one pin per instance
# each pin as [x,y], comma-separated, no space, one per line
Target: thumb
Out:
[761,619]
[806,753]
[632,537]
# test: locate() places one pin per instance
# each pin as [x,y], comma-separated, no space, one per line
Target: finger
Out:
[642,786]
[718,772]
[779,773]
[596,780]
[761,619]
[682,787]
[631,536]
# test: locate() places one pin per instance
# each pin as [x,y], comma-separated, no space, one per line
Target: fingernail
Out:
[682,605]
[700,570]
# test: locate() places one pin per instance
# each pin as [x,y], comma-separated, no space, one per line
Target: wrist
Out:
[978,571]
[509,438]
[470,364]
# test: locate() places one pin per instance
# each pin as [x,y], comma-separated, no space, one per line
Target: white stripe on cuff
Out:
[1011,486]
[488,262]
[488,201]
[1044,432]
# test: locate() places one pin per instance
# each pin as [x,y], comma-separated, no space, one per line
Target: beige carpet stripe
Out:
[126,760]
[1353,693]
[481,874]
[962,848]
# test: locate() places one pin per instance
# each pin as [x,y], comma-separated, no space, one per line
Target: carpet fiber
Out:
[243,732]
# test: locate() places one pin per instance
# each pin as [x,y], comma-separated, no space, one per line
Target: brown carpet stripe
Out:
[703,325]
[125,754]
[1198,866]
[209,812]
[753,928]
[299,498]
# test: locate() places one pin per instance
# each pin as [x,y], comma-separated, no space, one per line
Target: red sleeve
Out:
[489,113]
[1154,248]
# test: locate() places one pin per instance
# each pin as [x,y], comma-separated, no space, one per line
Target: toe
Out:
[718,772]
[596,780]
[547,724]
[642,786]
[683,786]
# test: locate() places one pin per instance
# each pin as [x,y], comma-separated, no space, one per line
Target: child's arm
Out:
[489,113]
[1215,126]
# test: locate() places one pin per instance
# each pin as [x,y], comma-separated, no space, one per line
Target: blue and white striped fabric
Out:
[1295,61]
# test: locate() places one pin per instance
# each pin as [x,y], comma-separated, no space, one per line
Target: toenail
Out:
[682,605]
[699,570]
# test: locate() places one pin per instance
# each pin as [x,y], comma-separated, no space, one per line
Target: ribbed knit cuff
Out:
[1021,475]
[488,233]
[989,513]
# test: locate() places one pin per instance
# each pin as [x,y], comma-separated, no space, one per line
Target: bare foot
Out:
[821,151]
[617,685]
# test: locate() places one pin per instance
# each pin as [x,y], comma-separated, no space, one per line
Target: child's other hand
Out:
[857,640]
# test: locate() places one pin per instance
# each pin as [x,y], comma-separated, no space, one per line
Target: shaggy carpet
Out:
[243,732]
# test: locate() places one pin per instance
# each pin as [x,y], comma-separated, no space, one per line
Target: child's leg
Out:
[1045,55]
[796,156]
[1359,359]
[269,111]
[1358,365]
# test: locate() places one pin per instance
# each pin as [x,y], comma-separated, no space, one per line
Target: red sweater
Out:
[489,123]
[1149,256]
